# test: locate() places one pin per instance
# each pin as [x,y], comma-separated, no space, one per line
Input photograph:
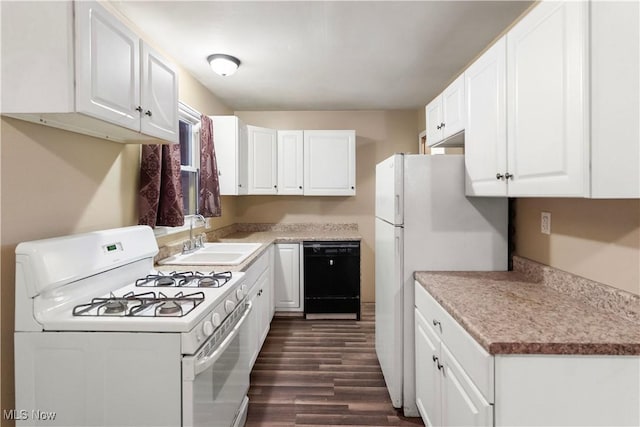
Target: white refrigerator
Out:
[424,221]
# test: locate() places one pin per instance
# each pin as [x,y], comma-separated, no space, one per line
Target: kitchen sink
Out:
[215,254]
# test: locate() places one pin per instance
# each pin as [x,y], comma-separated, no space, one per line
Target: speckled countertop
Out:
[267,234]
[527,312]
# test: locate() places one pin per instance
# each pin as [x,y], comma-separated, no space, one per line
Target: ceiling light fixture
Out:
[222,64]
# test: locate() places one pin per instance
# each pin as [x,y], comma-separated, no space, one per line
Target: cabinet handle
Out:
[508,176]
[499,176]
[139,109]
[437,324]
[442,124]
[437,362]
[148,113]
[438,127]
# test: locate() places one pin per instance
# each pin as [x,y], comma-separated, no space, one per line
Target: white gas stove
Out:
[91,306]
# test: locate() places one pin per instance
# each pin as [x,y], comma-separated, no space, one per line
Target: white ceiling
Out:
[324,55]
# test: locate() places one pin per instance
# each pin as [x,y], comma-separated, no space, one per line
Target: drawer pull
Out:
[437,324]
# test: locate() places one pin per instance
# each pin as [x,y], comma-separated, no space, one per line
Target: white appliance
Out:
[101,338]
[425,222]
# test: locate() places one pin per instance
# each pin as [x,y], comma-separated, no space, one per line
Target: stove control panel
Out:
[191,341]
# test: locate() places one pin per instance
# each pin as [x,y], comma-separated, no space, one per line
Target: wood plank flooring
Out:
[321,373]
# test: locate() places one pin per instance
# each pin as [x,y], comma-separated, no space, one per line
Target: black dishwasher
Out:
[331,279]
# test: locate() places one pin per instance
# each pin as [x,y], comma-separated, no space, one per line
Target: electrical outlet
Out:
[545,222]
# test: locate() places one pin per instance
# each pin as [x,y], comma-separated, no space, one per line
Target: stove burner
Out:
[168,308]
[164,281]
[207,282]
[115,306]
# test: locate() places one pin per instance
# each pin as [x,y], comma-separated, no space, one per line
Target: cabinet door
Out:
[330,163]
[547,102]
[462,403]
[428,376]
[287,277]
[485,144]
[290,162]
[453,108]
[264,306]
[107,67]
[263,159]
[433,112]
[230,141]
[253,322]
[159,95]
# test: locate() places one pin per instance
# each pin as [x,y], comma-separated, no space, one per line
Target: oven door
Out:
[215,380]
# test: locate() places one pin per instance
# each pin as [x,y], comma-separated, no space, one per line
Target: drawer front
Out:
[476,362]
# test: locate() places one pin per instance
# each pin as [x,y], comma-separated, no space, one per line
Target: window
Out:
[190,156]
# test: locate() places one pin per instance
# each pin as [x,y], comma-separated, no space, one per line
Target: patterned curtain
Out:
[160,198]
[209,198]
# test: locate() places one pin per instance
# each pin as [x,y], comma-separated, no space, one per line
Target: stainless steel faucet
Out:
[193,244]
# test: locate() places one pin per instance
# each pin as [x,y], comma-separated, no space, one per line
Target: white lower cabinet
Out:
[259,290]
[459,384]
[445,395]
[288,285]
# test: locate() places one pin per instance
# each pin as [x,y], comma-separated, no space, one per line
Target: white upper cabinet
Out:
[547,129]
[290,162]
[572,105]
[329,163]
[159,95]
[485,140]
[257,160]
[263,160]
[615,99]
[445,115]
[77,67]
[230,142]
[107,67]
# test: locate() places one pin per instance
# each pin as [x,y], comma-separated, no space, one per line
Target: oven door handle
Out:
[205,363]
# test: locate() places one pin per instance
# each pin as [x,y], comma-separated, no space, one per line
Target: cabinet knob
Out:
[353,188]
[300,187]
[139,109]
[438,127]
[499,176]
[240,185]
[508,176]
[275,186]
[148,113]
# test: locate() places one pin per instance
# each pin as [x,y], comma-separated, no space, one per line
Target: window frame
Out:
[192,116]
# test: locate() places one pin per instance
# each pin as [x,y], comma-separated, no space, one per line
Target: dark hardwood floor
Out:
[321,373]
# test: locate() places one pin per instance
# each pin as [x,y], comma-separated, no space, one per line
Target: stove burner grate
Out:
[187,279]
[146,304]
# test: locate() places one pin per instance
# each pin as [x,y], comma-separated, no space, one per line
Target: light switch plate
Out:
[545,222]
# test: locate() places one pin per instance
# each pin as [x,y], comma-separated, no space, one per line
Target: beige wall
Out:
[596,239]
[378,135]
[55,182]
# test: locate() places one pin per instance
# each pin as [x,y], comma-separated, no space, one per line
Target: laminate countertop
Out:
[517,313]
[267,238]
